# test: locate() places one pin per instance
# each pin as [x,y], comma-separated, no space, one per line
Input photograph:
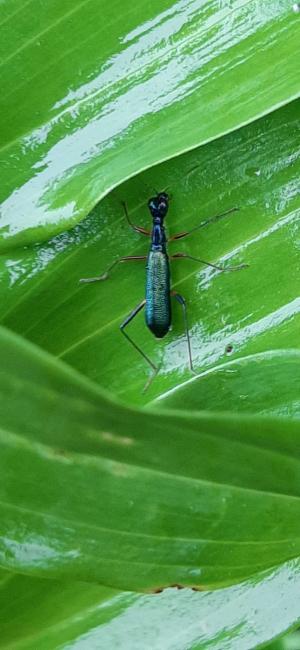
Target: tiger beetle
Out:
[158,291]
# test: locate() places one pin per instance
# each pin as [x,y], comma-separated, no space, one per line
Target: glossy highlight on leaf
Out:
[73,615]
[95,490]
[254,310]
[106,92]
[266,383]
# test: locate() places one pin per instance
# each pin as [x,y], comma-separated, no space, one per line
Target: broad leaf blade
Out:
[253,310]
[107,93]
[95,491]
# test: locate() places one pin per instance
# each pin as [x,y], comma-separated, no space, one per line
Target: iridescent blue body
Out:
[158,303]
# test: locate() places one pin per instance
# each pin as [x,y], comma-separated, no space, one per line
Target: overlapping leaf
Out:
[92,489]
[68,615]
[251,311]
[267,383]
[93,93]
[137,500]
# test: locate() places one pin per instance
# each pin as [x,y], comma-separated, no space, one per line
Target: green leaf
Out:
[90,488]
[92,96]
[51,614]
[141,500]
[254,310]
[266,383]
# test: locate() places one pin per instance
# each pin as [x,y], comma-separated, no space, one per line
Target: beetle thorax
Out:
[158,233]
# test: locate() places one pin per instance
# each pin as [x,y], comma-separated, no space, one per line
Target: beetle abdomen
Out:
[158,306]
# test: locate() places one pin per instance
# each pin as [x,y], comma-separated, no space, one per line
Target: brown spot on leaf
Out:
[159,590]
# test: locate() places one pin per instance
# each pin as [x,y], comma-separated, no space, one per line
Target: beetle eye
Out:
[162,206]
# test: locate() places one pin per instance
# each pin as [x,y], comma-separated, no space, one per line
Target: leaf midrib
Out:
[81,458]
